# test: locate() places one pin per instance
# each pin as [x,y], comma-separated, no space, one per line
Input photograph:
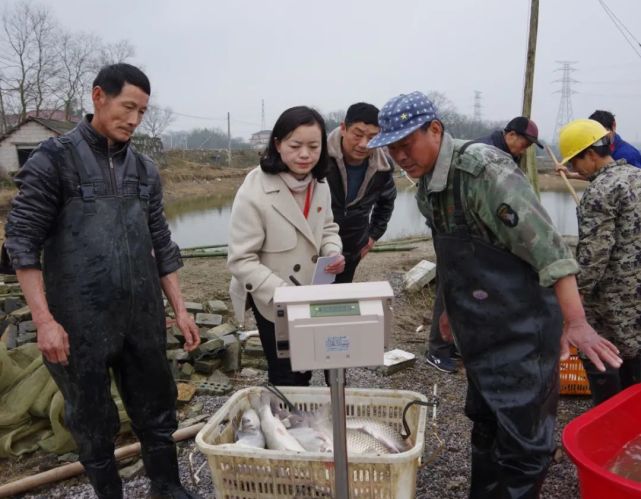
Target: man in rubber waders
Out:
[509,291]
[93,206]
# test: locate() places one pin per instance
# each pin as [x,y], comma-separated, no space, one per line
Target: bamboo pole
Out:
[390,247]
[562,173]
[409,179]
[194,248]
[73,469]
[410,240]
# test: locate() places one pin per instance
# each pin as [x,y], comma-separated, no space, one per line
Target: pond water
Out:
[205,221]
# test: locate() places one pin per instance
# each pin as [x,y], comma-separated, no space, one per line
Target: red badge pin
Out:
[319,209]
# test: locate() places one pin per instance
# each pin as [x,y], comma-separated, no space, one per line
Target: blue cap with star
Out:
[400,116]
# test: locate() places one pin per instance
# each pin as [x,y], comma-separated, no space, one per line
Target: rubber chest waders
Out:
[507,329]
[103,287]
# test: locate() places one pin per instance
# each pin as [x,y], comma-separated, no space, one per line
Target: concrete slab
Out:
[203,319]
[220,331]
[10,336]
[216,307]
[27,327]
[194,307]
[419,276]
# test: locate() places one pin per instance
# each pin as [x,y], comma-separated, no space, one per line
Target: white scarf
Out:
[297,187]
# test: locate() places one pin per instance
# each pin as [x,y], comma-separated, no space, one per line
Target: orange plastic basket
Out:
[574,380]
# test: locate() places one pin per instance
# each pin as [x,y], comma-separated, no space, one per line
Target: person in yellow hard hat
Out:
[608,252]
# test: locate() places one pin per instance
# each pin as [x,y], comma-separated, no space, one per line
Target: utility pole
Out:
[229,139]
[565,113]
[262,114]
[528,162]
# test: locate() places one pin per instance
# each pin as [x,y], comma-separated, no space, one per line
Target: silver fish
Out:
[311,439]
[249,433]
[382,432]
[357,441]
[389,438]
[360,442]
[276,435]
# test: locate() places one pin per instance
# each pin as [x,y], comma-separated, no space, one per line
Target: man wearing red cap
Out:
[519,134]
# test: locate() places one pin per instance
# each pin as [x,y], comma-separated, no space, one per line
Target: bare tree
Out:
[444,107]
[3,112]
[15,56]
[333,119]
[76,53]
[45,65]
[41,68]
[113,53]
[27,58]
[156,120]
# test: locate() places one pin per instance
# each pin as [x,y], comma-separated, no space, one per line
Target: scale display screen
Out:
[335,309]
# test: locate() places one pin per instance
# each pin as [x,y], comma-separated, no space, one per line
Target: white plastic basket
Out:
[242,473]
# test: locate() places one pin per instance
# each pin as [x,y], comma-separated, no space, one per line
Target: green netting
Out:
[32,407]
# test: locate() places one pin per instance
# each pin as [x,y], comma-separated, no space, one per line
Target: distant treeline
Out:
[457,124]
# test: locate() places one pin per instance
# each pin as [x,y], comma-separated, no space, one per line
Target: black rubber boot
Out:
[161,465]
[104,478]
[485,476]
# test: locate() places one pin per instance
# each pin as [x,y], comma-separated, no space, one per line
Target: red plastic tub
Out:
[593,440]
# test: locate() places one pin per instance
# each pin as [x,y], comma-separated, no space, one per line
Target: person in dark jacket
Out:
[362,185]
[519,134]
[619,148]
[93,207]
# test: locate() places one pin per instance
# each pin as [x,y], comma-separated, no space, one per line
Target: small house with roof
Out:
[259,140]
[17,143]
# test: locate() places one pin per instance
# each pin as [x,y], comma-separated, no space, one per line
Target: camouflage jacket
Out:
[500,207]
[609,254]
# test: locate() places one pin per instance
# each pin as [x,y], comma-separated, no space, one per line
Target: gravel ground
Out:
[443,476]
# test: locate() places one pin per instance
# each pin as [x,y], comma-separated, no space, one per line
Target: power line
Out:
[610,94]
[625,32]
[614,16]
[211,118]
[208,118]
[611,82]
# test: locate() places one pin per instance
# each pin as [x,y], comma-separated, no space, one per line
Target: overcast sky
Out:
[205,58]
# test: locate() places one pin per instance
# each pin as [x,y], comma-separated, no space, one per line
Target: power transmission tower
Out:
[262,114]
[229,138]
[477,106]
[565,113]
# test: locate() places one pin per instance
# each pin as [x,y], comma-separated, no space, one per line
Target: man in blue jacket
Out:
[619,148]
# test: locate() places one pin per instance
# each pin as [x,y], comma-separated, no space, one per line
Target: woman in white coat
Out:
[281,221]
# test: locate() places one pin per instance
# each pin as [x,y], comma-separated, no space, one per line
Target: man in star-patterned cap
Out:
[508,284]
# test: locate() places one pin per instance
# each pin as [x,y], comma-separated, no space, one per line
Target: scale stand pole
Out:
[337,390]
